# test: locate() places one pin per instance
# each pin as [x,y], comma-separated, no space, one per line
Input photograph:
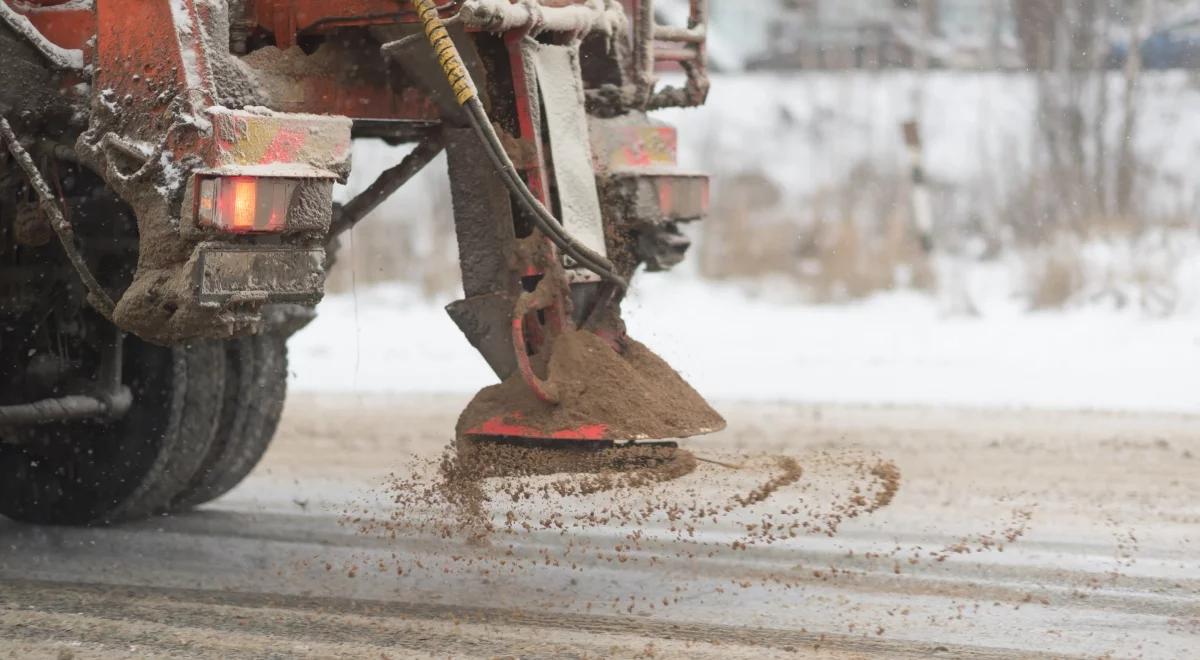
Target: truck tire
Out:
[90,473]
[255,389]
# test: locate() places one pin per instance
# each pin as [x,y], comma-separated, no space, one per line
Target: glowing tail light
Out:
[244,204]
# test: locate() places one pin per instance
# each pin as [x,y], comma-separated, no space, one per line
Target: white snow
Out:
[69,5]
[107,97]
[188,40]
[734,345]
[807,131]
[172,174]
[1119,345]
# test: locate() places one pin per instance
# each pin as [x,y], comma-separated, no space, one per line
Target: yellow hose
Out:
[468,97]
[447,54]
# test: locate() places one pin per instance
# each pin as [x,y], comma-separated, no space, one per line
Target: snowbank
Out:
[892,349]
[808,130]
[1106,352]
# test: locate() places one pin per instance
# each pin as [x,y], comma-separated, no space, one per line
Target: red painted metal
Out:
[74,26]
[284,146]
[531,135]
[510,426]
[330,94]
[541,316]
[650,145]
[243,139]
[66,26]
[527,303]
[133,36]
[286,19]
[130,40]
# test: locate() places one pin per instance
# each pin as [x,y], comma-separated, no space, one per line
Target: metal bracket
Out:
[654,43]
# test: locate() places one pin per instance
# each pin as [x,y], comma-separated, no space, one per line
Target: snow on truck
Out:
[167,218]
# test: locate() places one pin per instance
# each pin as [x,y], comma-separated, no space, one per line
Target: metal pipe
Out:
[687,35]
[643,52]
[388,182]
[605,16]
[66,408]
[676,54]
[66,234]
[687,47]
[111,403]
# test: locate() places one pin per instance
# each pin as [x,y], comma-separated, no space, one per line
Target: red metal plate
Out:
[504,426]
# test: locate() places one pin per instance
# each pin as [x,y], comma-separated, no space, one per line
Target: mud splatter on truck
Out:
[184,152]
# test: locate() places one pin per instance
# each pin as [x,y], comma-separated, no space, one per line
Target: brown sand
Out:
[635,505]
[486,491]
[791,472]
[637,395]
[478,490]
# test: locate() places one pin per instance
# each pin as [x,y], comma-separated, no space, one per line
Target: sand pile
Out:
[634,393]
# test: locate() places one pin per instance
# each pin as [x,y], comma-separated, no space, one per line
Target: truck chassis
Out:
[167,214]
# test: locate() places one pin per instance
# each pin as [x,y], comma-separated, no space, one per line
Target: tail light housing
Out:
[244,204]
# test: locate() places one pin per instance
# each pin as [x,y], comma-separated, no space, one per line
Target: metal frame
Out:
[685,46]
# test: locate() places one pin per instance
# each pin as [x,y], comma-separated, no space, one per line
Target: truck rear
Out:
[167,219]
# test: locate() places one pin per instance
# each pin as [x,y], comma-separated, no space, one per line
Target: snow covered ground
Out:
[896,348]
[809,130]
[899,348]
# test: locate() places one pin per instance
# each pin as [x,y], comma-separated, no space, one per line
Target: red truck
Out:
[167,214]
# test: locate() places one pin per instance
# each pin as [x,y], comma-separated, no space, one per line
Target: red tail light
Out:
[244,204]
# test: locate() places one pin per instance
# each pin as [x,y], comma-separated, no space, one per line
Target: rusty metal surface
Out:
[577,17]
[286,19]
[645,194]
[170,101]
[654,45]
[410,52]
[685,46]
[343,76]
[483,221]
[485,320]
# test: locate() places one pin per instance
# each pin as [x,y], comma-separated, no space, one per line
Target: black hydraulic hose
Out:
[467,96]
[545,221]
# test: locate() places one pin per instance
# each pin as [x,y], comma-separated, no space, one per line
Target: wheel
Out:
[255,388]
[84,473]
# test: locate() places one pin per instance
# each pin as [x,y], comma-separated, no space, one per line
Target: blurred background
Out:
[943,202]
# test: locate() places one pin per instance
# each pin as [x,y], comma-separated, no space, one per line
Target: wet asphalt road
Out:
[1011,534]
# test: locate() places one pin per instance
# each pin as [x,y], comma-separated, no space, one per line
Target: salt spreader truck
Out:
[167,214]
